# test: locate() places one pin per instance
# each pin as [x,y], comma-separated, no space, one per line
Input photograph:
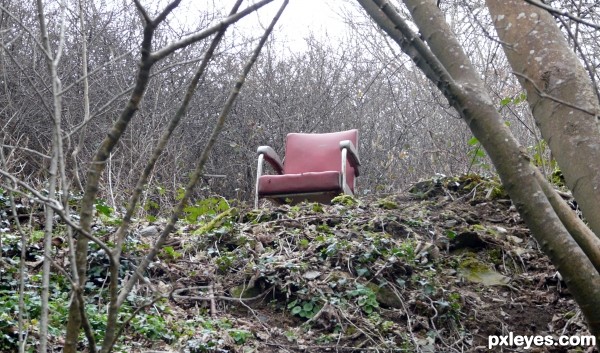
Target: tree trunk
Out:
[560,94]
[446,64]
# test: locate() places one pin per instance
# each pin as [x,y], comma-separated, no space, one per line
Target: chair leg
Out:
[345,186]
[259,171]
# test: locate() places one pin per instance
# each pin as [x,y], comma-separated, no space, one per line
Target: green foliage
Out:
[304,309]
[518,99]
[168,252]
[303,243]
[451,234]
[365,298]
[331,244]
[151,206]
[102,208]
[387,204]
[240,336]
[205,208]
[9,309]
[477,154]
[405,251]
[36,236]
[557,178]
[455,300]
[106,213]
[317,207]
[151,326]
[345,200]
[180,193]
[541,157]
[225,262]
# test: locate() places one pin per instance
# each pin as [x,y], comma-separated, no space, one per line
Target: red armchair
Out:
[317,168]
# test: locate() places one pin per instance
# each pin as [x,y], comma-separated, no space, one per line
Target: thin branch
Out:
[383,13]
[13,209]
[57,207]
[587,240]
[39,154]
[165,51]
[87,327]
[586,62]
[564,13]
[168,9]
[111,336]
[202,160]
[61,41]
[542,94]
[25,28]
[83,77]
[142,11]
[105,106]
[35,88]
[137,310]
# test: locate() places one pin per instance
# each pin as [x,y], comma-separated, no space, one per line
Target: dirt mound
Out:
[438,269]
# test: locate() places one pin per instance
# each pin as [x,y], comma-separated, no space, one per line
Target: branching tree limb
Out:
[563,13]
[202,160]
[112,334]
[148,59]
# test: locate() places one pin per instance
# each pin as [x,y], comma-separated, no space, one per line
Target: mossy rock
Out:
[385,296]
[244,292]
[387,204]
[476,271]
[345,200]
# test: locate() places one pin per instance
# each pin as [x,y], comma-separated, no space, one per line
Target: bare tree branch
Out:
[202,160]
[543,94]
[111,334]
[564,13]
[163,52]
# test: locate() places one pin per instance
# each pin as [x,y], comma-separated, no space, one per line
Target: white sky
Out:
[300,18]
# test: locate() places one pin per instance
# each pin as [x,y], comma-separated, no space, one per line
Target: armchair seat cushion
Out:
[299,183]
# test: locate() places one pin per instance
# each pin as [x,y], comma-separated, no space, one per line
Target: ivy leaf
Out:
[102,208]
[473,141]
[362,271]
[506,101]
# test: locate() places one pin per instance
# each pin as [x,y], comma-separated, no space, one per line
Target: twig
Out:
[211,297]
[13,208]
[58,208]
[564,13]
[228,105]
[213,305]
[27,150]
[299,219]
[542,94]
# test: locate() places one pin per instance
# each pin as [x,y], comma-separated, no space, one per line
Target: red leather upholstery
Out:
[312,164]
[299,183]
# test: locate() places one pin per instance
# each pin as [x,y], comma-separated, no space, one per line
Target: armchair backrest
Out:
[317,153]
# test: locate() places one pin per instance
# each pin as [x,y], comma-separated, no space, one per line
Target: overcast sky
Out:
[319,16]
[301,17]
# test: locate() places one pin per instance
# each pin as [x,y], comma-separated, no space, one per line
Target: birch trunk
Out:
[445,63]
[560,95]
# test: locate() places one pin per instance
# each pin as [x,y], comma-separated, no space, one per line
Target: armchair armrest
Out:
[352,154]
[271,156]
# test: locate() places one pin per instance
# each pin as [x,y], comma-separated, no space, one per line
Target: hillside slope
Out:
[436,270]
